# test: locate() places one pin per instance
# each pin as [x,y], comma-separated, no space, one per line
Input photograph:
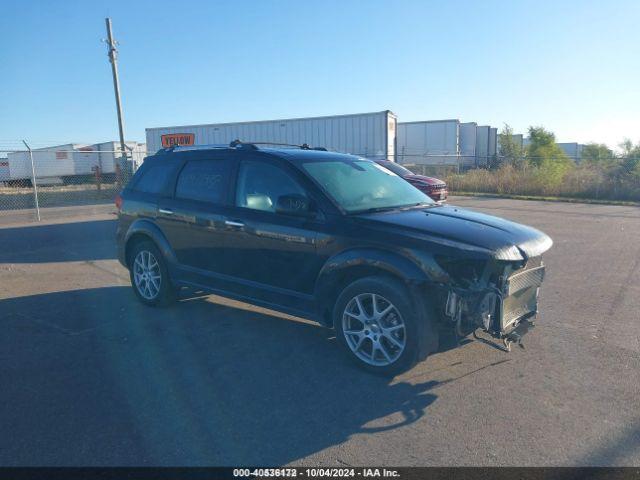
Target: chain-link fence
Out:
[75,180]
[43,184]
[442,165]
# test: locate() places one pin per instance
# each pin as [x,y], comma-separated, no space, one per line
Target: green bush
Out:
[545,170]
[552,179]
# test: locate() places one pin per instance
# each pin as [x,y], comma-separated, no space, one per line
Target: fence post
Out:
[98,173]
[33,179]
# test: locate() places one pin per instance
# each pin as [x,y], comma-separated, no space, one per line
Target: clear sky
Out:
[571,66]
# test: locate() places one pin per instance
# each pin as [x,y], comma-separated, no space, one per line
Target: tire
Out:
[152,286]
[401,344]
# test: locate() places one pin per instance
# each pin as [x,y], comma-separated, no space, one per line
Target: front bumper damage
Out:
[505,309]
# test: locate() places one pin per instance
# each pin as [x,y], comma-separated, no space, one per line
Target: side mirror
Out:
[296,205]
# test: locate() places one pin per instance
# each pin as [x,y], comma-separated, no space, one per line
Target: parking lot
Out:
[88,376]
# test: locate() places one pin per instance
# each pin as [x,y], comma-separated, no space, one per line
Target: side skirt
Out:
[285,301]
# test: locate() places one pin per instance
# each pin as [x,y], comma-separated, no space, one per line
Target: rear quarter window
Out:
[154,178]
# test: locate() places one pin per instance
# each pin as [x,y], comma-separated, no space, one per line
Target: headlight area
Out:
[502,301]
[474,298]
[463,271]
[469,310]
[470,298]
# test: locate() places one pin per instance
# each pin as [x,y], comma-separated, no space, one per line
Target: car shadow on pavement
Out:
[92,377]
[61,242]
[620,451]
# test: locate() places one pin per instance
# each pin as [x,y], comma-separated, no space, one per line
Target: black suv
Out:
[332,237]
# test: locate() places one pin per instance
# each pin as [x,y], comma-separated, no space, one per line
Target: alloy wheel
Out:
[374,329]
[147,275]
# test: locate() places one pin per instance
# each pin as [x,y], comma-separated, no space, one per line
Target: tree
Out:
[629,149]
[511,152]
[630,158]
[550,162]
[597,153]
[542,146]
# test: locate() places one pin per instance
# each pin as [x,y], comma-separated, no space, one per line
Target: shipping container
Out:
[372,135]
[467,142]
[433,142]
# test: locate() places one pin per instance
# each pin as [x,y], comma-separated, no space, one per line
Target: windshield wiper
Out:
[372,210]
[394,207]
[419,204]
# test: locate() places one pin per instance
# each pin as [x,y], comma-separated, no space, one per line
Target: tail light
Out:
[118,202]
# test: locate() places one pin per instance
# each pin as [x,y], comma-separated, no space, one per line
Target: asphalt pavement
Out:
[89,376]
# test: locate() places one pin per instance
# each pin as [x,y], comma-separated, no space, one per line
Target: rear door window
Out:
[204,181]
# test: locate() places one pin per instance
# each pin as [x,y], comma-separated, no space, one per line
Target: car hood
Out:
[424,179]
[466,229]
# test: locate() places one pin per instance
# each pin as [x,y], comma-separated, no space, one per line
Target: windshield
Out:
[362,185]
[397,169]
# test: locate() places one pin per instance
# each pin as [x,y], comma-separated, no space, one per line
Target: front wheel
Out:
[149,275]
[376,323]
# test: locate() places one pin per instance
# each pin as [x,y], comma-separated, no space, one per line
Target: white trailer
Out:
[50,163]
[467,141]
[572,149]
[372,135]
[109,154]
[433,142]
[85,160]
[55,164]
[4,169]
[482,145]
[493,142]
[516,138]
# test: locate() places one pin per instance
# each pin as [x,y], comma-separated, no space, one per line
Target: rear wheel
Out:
[376,324]
[149,275]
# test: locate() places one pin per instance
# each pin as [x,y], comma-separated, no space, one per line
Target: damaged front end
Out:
[498,296]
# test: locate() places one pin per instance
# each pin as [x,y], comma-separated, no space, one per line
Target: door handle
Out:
[166,211]
[231,223]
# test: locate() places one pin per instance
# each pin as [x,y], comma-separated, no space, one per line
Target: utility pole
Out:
[113,58]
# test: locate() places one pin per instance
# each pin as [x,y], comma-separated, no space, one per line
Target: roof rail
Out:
[186,148]
[238,144]
[235,144]
[304,146]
